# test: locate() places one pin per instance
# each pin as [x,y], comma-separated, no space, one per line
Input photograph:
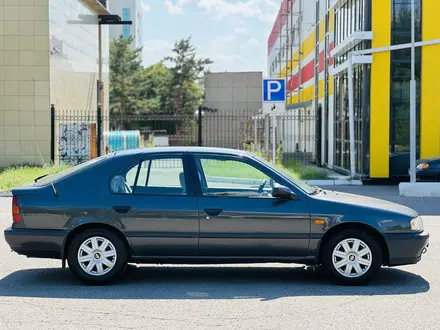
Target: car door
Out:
[154,201]
[238,215]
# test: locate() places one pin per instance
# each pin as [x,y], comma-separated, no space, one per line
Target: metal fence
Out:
[78,136]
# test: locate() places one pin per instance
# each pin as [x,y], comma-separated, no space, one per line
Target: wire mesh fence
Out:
[78,135]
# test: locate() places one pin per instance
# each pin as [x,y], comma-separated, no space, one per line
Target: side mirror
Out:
[284,193]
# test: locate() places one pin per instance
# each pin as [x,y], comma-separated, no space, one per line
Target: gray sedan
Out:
[205,205]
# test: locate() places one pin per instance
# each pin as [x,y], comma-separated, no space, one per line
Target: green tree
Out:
[125,64]
[154,85]
[187,71]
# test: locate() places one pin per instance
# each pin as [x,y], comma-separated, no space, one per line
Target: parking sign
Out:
[274,96]
[274,90]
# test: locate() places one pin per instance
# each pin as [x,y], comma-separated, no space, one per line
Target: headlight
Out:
[422,166]
[417,224]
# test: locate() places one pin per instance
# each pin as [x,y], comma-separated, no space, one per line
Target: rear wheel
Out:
[97,256]
[352,257]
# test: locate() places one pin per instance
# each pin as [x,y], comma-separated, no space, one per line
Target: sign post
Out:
[274,103]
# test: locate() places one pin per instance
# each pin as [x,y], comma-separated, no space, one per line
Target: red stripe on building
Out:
[331,60]
[308,71]
[322,58]
[321,61]
[279,23]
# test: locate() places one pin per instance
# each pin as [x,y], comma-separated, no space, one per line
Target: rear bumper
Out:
[36,243]
[406,249]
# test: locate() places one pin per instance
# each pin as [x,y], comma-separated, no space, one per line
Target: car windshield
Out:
[299,183]
[45,180]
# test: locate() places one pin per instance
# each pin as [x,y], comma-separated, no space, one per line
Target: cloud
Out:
[177,8]
[228,59]
[241,31]
[157,45]
[246,8]
[154,50]
[145,7]
[251,42]
[223,39]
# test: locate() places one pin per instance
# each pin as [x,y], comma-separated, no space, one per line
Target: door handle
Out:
[213,212]
[122,209]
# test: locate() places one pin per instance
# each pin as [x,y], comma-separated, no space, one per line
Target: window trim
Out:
[249,161]
[186,170]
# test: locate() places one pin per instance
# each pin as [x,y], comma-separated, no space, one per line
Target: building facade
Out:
[310,44]
[48,55]
[128,10]
[235,96]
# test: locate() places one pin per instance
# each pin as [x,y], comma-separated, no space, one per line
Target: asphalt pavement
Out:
[38,294]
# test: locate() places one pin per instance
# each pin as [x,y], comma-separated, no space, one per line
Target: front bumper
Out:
[36,243]
[406,249]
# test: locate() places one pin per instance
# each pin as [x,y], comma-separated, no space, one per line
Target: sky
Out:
[232,33]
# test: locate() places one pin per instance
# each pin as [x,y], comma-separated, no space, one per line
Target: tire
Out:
[105,266]
[362,265]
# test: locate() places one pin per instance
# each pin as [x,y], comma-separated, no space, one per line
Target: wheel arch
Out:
[358,226]
[93,225]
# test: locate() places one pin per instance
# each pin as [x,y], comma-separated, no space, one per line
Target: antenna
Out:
[42,161]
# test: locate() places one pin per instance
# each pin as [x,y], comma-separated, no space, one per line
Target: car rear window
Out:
[70,171]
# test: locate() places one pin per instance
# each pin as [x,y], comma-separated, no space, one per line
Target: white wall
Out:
[74,69]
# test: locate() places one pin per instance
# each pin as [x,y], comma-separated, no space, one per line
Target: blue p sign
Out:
[274,90]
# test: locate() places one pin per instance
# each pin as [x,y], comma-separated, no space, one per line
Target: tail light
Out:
[16,217]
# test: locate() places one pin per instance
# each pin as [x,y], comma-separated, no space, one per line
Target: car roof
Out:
[165,150]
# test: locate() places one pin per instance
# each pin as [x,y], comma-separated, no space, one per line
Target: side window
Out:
[163,176]
[225,177]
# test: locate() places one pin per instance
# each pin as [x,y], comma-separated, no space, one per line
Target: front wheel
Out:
[97,256]
[352,257]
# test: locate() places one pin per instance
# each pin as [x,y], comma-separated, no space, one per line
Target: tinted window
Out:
[163,176]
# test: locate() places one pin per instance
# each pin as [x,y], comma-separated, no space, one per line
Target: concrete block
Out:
[321,182]
[419,189]
[225,80]
[240,80]
[254,95]
[240,95]
[342,182]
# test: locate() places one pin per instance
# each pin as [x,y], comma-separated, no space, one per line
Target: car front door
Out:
[238,215]
[156,207]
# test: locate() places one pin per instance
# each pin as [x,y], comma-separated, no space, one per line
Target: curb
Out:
[339,182]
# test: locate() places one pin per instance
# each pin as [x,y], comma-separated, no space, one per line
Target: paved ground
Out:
[38,294]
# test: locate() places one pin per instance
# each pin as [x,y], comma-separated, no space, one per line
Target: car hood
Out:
[367,202]
[427,160]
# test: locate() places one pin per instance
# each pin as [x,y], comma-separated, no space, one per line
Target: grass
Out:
[15,176]
[304,172]
[241,170]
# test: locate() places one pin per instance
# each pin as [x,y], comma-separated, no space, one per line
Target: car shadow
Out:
[264,283]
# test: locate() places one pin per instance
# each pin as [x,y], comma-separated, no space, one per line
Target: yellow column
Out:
[430,101]
[380,91]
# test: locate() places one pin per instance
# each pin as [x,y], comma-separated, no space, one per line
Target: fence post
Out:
[52,133]
[200,125]
[99,130]
[319,135]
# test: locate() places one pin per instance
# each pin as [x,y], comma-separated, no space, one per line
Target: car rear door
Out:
[154,201]
[239,217]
